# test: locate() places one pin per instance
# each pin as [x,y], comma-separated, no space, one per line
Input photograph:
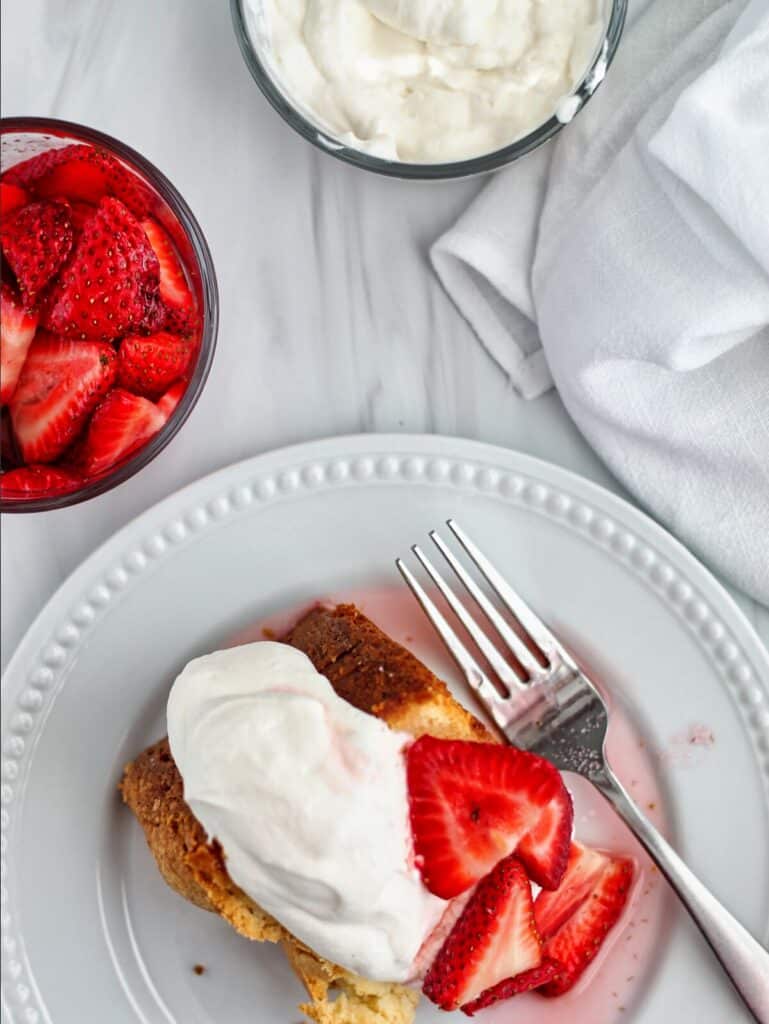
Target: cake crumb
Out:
[269,634]
[652,805]
[199,969]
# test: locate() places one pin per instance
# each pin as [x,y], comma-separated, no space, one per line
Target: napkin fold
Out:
[629,265]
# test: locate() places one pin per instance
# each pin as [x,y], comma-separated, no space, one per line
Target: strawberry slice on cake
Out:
[575,919]
[495,941]
[471,804]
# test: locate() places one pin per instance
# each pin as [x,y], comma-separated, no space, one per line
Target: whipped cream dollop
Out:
[427,81]
[307,797]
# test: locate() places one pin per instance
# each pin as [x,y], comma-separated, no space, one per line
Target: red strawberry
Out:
[575,920]
[9,451]
[121,424]
[38,480]
[544,852]
[17,329]
[109,283]
[523,982]
[174,290]
[171,398]
[147,365]
[36,240]
[11,198]
[175,319]
[82,172]
[471,804]
[79,213]
[494,939]
[60,384]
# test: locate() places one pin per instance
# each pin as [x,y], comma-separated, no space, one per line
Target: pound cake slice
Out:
[376,675]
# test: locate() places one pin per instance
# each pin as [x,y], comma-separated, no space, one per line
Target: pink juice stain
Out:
[614,983]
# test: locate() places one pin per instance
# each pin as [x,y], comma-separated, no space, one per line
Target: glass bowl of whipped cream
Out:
[428,89]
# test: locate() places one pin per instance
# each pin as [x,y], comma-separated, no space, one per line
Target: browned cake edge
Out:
[377,675]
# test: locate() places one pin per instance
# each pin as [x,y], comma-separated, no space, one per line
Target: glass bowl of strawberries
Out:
[108,313]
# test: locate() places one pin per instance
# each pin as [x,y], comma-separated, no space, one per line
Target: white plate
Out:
[91,933]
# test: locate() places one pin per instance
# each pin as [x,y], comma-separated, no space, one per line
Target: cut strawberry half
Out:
[61,382]
[81,172]
[174,289]
[36,240]
[544,852]
[38,480]
[575,920]
[122,423]
[523,982]
[471,804]
[10,456]
[149,364]
[17,329]
[12,197]
[494,939]
[169,401]
[110,281]
[79,214]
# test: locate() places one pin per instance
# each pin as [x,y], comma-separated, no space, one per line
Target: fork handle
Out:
[742,957]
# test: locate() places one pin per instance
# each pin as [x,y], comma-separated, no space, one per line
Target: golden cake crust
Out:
[380,677]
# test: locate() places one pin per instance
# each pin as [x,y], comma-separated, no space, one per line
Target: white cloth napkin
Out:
[632,260]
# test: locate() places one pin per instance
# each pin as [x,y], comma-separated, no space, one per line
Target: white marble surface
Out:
[331,319]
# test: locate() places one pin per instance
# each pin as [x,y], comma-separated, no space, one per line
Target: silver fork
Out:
[555,710]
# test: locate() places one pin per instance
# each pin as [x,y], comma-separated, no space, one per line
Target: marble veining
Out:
[331,319]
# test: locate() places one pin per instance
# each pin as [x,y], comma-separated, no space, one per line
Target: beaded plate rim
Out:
[594,513]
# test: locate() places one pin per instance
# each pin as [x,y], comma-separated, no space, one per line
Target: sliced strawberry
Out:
[575,920]
[29,173]
[36,240]
[174,290]
[523,982]
[10,456]
[62,381]
[81,172]
[40,480]
[17,329]
[175,319]
[169,401]
[471,804]
[148,365]
[494,939]
[110,281]
[11,198]
[122,423]
[544,852]
[79,213]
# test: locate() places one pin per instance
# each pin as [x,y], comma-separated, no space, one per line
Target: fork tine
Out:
[472,671]
[530,622]
[519,649]
[487,648]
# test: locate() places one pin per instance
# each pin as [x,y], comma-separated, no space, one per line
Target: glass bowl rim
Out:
[324,141]
[178,205]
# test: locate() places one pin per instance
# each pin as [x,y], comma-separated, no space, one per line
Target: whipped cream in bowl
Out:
[307,797]
[428,88]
